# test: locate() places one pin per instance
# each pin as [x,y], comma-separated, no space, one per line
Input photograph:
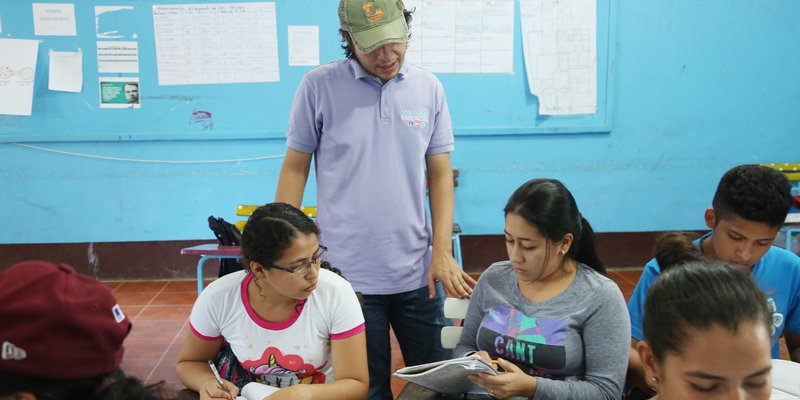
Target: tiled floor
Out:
[159,311]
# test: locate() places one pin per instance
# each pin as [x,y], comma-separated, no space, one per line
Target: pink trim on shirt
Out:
[347,334]
[203,337]
[275,326]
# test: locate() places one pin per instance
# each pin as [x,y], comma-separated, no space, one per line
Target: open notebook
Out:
[256,391]
[448,376]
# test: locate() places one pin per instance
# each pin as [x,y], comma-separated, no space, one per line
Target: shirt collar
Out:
[359,72]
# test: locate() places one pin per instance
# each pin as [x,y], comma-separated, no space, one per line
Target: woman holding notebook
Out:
[549,315]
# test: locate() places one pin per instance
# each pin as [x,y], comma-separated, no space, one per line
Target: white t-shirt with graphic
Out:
[280,354]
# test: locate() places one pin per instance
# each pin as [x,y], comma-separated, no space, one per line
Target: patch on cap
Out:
[119,316]
[12,352]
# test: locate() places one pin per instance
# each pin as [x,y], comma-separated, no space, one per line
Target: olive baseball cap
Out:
[373,23]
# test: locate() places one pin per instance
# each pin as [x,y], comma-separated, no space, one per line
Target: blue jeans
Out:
[417,323]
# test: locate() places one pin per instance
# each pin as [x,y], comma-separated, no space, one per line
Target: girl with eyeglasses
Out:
[284,321]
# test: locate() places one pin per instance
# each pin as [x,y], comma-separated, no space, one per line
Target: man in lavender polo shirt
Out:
[373,124]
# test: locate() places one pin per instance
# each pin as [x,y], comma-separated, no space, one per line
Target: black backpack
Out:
[227,235]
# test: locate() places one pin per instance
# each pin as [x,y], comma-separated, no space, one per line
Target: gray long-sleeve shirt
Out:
[576,343]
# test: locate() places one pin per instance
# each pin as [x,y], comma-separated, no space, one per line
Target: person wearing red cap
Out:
[61,337]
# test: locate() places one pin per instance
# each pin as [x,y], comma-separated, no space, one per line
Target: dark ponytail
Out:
[550,207]
[586,248]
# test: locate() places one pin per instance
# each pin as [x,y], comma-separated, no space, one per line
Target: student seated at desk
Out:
[288,323]
[749,207]
[61,337]
[549,315]
[707,329]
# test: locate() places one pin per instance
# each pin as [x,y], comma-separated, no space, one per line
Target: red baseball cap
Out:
[56,323]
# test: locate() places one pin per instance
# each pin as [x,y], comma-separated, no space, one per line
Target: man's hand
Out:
[456,282]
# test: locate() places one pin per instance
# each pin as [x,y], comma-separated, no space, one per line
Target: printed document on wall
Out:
[54,19]
[216,43]
[462,36]
[559,44]
[66,71]
[303,45]
[17,75]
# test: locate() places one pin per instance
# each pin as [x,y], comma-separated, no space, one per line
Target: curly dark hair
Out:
[271,229]
[755,193]
[348,49]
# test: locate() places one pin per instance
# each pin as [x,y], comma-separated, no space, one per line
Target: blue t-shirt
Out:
[777,273]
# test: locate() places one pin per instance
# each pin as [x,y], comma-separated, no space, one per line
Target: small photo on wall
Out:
[119,92]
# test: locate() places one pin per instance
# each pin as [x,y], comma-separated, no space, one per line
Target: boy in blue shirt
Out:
[749,207]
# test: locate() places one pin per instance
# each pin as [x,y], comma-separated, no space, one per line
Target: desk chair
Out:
[453,309]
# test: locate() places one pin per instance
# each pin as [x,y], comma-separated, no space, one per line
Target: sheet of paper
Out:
[118,57]
[17,75]
[559,40]
[462,36]
[66,71]
[109,19]
[119,92]
[54,19]
[303,45]
[216,43]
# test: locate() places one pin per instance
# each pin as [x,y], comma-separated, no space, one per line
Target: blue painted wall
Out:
[699,87]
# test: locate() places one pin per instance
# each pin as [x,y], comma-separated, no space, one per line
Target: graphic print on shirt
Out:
[278,370]
[535,344]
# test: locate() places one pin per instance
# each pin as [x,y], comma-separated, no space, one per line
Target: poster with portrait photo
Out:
[119,92]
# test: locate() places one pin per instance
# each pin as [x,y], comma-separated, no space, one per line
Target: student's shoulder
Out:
[417,73]
[333,69]
[330,283]
[779,259]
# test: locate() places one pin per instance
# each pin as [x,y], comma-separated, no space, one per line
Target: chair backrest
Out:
[454,309]
[244,210]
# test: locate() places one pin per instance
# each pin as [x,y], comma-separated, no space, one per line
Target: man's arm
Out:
[793,344]
[444,267]
[293,177]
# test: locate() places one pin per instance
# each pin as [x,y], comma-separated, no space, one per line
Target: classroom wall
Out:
[699,87]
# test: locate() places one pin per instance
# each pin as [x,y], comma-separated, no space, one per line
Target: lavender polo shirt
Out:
[369,143]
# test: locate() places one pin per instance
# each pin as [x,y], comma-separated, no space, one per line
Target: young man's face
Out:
[737,241]
[383,62]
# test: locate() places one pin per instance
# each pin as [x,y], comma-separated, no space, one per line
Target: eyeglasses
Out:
[304,267]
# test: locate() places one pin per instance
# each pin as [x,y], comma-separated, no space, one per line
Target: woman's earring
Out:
[654,379]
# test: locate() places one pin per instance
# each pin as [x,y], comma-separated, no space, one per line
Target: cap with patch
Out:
[373,23]
[56,323]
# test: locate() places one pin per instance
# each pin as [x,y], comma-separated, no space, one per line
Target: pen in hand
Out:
[218,378]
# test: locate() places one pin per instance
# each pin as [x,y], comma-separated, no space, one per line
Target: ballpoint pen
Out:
[217,377]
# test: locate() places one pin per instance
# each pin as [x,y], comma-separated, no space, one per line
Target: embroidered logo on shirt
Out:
[372,15]
[415,119]
[777,318]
